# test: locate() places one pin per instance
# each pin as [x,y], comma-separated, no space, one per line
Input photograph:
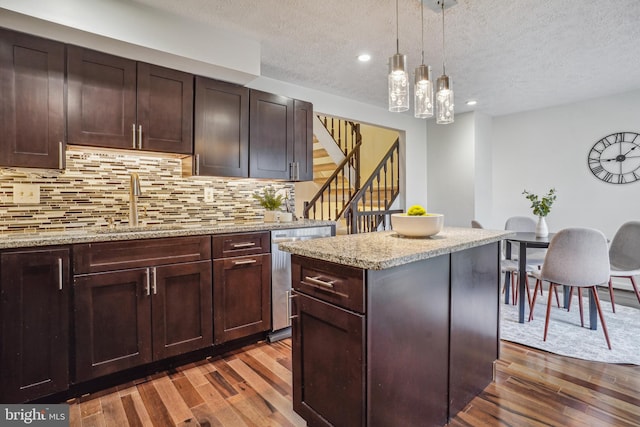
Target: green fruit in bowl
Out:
[416,210]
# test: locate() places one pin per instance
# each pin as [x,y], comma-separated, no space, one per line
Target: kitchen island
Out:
[394,331]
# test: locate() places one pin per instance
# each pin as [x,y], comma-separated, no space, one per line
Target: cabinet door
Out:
[34,303]
[182,310]
[328,363]
[303,141]
[112,322]
[101,99]
[221,128]
[270,135]
[241,297]
[32,101]
[165,109]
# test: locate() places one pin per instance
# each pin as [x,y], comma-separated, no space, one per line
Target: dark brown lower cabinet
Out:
[328,357]
[404,346]
[34,307]
[241,296]
[128,318]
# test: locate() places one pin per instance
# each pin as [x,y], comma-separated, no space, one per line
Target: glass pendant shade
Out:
[444,100]
[398,84]
[423,93]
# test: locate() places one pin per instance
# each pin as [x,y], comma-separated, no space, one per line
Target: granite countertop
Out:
[386,249]
[104,234]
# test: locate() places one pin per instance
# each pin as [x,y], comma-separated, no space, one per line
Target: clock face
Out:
[616,158]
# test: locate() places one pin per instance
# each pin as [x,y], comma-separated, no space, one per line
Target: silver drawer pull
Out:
[316,281]
[60,277]
[139,137]
[147,287]
[246,261]
[155,281]
[133,126]
[244,245]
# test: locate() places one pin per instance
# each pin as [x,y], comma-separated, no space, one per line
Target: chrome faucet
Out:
[134,192]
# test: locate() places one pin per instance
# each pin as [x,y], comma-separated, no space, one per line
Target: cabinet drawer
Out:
[108,256]
[240,244]
[338,284]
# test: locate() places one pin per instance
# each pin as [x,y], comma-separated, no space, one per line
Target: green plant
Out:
[541,207]
[269,199]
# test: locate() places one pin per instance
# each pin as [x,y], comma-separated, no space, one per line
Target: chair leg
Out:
[514,289]
[570,298]
[526,284]
[532,303]
[604,325]
[546,321]
[581,307]
[635,287]
[613,303]
[555,291]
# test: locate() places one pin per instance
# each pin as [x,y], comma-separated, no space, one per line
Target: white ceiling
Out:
[510,55]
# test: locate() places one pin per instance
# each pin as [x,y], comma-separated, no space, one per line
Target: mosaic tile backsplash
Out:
[94,189]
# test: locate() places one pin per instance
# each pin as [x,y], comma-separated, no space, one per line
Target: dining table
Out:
[529,240]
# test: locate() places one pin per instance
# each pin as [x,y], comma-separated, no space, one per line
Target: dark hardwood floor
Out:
[252,387]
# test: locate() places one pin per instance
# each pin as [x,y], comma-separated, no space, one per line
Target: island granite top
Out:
[386,249]
[103,234]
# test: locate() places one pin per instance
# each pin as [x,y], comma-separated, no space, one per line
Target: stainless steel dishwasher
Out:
[281,276]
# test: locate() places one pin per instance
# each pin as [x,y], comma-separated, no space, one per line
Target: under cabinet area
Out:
[241,285]
[32,120]
[116,102]
[34,310]
[140,301]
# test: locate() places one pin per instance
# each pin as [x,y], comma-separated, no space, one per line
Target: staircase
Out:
[341,198]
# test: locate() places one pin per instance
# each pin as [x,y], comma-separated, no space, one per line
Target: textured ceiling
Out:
[510,55]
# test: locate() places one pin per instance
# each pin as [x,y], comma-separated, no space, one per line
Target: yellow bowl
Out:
[417,226]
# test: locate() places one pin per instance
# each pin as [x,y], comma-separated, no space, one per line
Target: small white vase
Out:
[541,228]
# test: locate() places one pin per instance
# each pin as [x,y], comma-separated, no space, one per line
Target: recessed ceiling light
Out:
[365,57]
[472,102]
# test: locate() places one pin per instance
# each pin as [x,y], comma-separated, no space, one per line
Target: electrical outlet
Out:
[26,194]
[208,195]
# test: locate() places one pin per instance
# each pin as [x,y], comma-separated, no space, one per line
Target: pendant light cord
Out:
[443,57]
[422,27]
[397,31]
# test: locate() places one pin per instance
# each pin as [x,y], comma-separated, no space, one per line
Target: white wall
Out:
[452,172]
[548,148]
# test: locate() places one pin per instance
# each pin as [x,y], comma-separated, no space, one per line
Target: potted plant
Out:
[541,208]
[271,202]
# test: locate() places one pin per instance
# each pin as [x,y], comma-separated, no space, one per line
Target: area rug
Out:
[566,337]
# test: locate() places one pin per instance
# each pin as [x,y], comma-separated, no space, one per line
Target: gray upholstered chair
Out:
[535,257]
[577,257]
[624,256]
[476,224]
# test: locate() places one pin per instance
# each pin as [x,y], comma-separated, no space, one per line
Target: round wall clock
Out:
[616,158]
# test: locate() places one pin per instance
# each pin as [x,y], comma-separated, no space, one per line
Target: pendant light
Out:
[398,77]
[423,89]
[444,91]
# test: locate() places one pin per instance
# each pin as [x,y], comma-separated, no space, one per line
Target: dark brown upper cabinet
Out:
[221,129]
[271,135]
[302,168]
[119,103]
[32,101]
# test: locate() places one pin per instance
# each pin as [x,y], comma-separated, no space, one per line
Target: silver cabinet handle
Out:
[133,128]
[246,261]
[316,281]
[139,137]
[197,160]
[294,171]
[60,156]
[244,245]
[147,288]
[290,296]
[155,282]
[60,277]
